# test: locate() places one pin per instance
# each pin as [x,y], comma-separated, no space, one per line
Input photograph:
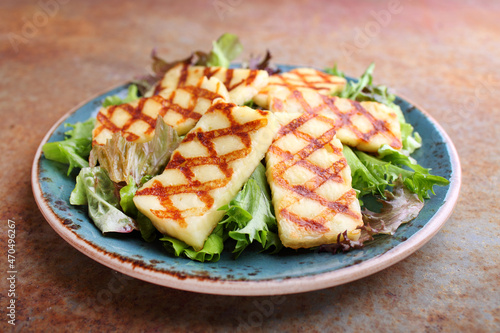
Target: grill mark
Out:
[229,77]
[202,93]
[307,224]
[186,165]
[295,79]
[245,82]
[183,76]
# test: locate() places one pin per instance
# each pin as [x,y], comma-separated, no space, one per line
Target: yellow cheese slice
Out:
[310,182]
[242,84]
[206,171]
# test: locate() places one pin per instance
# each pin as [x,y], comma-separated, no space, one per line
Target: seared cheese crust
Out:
[301,79]
[242,84]
[366,125]
[310,182]
[180,108]
[206,171]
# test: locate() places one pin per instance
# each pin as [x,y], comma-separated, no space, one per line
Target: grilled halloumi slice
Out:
[365,125]
[206,171]
[180,108]
[310,182]
[301,79]
[242,84]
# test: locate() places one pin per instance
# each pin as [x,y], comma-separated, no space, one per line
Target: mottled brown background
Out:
[444,55]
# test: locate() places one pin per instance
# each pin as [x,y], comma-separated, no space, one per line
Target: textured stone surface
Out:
[442,55]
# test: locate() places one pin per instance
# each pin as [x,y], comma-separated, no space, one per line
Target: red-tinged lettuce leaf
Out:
[400,206]
[160,66]
[263,64]
[225,49]
[95,189]
[122,158]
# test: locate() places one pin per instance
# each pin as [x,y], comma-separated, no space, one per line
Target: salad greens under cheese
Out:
[108,189]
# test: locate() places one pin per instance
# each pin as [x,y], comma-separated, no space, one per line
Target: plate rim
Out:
[262,287]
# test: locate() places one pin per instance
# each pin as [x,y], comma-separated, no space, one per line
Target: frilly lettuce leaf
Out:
[353,88]
[132,95]
[75,148]
[400,206]
[371,175]
[95,189]
[389,154]
[411,140]
[334,71]
[249,215]
[364,181]
[211,250]
[418,180]
[122,158]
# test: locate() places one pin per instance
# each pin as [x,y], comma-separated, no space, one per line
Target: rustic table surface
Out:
[443,55]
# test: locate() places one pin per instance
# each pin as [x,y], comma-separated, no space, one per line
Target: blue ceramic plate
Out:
[253,273]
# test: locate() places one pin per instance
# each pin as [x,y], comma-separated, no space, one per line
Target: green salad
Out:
[391,176]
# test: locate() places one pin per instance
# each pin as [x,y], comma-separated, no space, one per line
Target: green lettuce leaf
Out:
[146,227]
[334,71]
[122,158]
[354,88]
[127,198]
[224,50]
[389,154]
[419,181]
[371,175]
[211,250]
[249,215]
[75,148]
[411,140]
[95,188]
[132,95]
[364,180]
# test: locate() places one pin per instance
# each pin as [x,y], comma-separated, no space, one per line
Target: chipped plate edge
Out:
[263,287]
